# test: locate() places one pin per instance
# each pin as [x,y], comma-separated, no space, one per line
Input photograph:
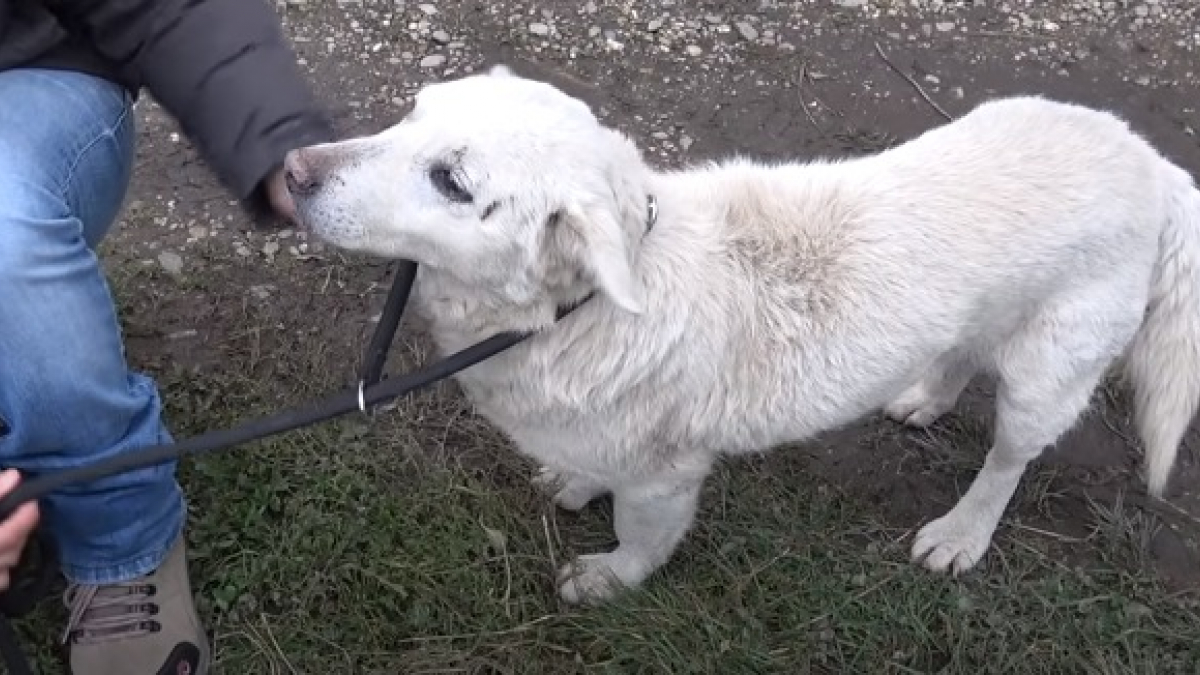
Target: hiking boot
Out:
[147,626]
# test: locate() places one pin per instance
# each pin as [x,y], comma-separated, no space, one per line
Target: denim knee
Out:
[65,383]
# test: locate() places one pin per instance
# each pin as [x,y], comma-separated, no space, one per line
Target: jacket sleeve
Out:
[222,68]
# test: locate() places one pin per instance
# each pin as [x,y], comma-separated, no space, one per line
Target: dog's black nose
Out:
[300,174]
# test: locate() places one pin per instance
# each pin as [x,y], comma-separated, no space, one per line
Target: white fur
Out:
[1037,240]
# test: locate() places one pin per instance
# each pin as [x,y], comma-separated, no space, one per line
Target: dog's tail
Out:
[1164,359]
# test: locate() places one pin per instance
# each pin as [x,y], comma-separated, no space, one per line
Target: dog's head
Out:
[508,185]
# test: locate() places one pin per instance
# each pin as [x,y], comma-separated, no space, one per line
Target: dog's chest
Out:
[564,434]
[562,421]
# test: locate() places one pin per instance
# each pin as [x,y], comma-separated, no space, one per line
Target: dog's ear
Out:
[606,255]
[501,70]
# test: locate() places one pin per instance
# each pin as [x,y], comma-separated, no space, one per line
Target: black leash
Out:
[26,590]
[389,321]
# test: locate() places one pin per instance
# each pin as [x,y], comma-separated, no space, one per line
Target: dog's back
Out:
[850,277]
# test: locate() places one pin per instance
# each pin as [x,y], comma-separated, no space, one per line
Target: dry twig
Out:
[916,85]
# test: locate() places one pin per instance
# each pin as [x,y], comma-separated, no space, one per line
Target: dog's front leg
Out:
[651,518]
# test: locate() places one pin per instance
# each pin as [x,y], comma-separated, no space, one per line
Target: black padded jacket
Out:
[222,68]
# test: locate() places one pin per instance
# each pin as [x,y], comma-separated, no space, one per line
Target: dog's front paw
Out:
[569,491]
[589,579]
[951,543]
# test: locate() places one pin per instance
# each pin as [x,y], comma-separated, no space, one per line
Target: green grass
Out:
[414,544]
[328,551]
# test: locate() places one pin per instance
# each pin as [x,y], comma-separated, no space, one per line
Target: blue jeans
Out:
[67,396]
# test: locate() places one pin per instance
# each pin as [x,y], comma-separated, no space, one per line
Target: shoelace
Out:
[111,612]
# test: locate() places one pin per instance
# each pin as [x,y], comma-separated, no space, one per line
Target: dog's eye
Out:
[446,182]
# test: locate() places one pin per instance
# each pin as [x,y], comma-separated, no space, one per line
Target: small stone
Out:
[440,36]
[428,9]
[433,61]
[852,3]
[933,79]
[655,25]
[539,29]
[172,263]
[270,248]
[693,50]
[685,142]
[944,26]
[747,31]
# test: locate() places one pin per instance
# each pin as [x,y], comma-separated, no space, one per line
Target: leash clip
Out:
[362,397]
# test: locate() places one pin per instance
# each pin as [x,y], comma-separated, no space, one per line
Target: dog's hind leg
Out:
[651,518]
[570,491]
[1048,372]
[935,393]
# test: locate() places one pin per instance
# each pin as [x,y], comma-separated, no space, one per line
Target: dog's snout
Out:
[302,175]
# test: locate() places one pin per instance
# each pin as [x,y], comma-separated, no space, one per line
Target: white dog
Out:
[739,306]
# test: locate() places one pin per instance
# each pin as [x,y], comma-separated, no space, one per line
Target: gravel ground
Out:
[694,80]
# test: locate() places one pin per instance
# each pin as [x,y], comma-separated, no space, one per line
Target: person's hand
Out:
[280,198]
[14,532]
